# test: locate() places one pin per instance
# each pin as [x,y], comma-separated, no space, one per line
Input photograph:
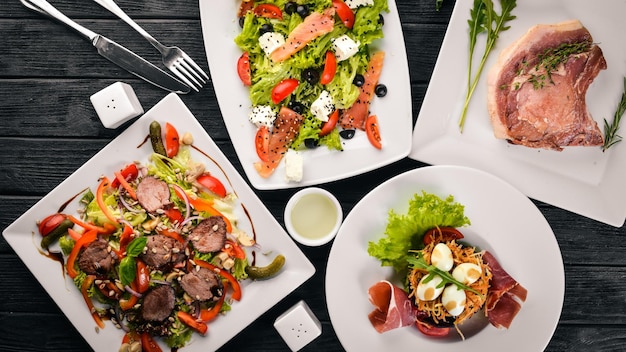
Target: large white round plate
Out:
[504,221]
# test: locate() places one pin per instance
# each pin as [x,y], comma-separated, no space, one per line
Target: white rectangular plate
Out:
[583,180]
[258,296]
[220,27]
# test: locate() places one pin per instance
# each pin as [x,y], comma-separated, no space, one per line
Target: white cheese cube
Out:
[345,47]
[353,4]
[294,166]
[271,41]
[262,115]
[116,104]
[323,106]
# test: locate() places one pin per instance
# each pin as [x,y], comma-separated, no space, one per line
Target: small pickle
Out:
[55,234]
[156,138]
[264,272]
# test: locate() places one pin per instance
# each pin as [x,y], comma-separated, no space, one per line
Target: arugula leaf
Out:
[610,131]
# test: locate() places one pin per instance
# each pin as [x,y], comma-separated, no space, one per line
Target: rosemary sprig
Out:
[549,61]
[610,131]
[418,262]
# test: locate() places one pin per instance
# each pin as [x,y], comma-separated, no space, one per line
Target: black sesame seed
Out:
[346,134]
[358,80]
[380,90]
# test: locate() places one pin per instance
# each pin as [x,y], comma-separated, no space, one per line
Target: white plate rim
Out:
[22,235]
[351,271]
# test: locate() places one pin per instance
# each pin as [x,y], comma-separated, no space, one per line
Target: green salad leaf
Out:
[404,232]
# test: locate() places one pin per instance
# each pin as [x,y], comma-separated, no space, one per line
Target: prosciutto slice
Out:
[393,307]
[505,296]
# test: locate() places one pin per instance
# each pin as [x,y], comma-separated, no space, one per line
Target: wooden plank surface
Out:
[48,129]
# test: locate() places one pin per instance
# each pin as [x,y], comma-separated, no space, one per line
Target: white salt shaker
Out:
[116,104]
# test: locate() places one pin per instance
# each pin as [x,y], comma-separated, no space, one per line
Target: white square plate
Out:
[258,296]
[220,27]
[582,180]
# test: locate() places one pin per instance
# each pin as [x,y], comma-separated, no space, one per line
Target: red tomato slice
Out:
[329,125]
[261,142]
[148,344]
[143,277]
[330,68]
[344,12]
[172,141]
[243,69]
[373,133]
[283,89]
[445,233]
[212,184]
[268,11]
[173,214]
[431,330]
[50,223]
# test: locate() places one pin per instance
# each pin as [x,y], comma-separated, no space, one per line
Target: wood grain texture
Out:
[48,129]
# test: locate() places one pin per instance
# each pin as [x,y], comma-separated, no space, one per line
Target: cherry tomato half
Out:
[243,69]
[172,141]
[268,11]
[329,125]
[373,133]
[344,12]
[283,89]
[212,184]
[429,330]
[261,142]
[50,223]
[330,68]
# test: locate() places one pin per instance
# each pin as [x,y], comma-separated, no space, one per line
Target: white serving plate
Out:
[585,181]
[258,296]
[220,27]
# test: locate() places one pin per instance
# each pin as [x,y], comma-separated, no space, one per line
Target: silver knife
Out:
[114,52]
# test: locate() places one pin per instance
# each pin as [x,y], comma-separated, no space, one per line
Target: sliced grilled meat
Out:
[202,284]
[96,258]
[162,252]
[158,303]
[153,194]
[209,235]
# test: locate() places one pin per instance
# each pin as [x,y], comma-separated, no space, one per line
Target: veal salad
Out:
[156,248]
[314,58]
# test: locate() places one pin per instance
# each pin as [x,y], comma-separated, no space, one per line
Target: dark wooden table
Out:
[48,128]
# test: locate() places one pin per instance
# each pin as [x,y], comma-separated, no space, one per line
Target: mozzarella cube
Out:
[116,104]
[323,106]
[262,115]
[294,166]
[271,41]
[353,4]
[345,47]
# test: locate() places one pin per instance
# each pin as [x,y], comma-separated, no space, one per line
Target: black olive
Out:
[267,27]
[290,7]
[303,10]
[346,134]
[296,107]
[381,19]
[358,80]
[310,75]
[241,21]
[380,90]
[311,143]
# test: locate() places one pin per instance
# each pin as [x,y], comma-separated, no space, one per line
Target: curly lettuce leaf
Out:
[404,232]
[367,26]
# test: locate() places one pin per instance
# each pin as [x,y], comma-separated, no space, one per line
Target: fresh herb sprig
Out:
[610,131]
[418,262]
[484,19]
[438,4]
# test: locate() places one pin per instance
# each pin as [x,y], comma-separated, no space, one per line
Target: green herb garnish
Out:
[483,18]
[438,4]
[418,262]
[610,131]
[549,61]
[128,265]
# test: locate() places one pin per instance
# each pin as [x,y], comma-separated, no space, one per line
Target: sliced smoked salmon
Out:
[314,25]
[285,129]
[355,116]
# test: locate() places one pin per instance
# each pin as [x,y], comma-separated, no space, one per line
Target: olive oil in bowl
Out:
[313,216]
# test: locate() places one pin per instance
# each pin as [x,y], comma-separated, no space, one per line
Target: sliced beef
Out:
[202,284]
[153,194]
[158,303]
[537,100]
[163,252]
[96,258]
[209,235]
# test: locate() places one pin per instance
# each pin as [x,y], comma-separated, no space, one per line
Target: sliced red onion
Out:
[186,199]
[191,218]
[133,292]
[126,205]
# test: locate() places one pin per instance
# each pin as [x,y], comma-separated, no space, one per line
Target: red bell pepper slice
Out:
[172,141]
[105,230]
[232,281]
[85,239]
[142,277]
[212,313]
[200,204]
[174,214]
[190,321]
[171,234]
[129,172]
[50,223]
[122,181]
[212,183]
[126,237]
[104,184]
[234,250]
[83,289]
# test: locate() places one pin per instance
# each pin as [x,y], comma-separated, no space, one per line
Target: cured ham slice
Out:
[505,296]
[393,307]
[536,90]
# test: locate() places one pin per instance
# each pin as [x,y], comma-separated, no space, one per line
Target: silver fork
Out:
[173,57]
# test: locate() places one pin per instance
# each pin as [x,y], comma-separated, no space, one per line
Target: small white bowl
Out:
[313,216]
